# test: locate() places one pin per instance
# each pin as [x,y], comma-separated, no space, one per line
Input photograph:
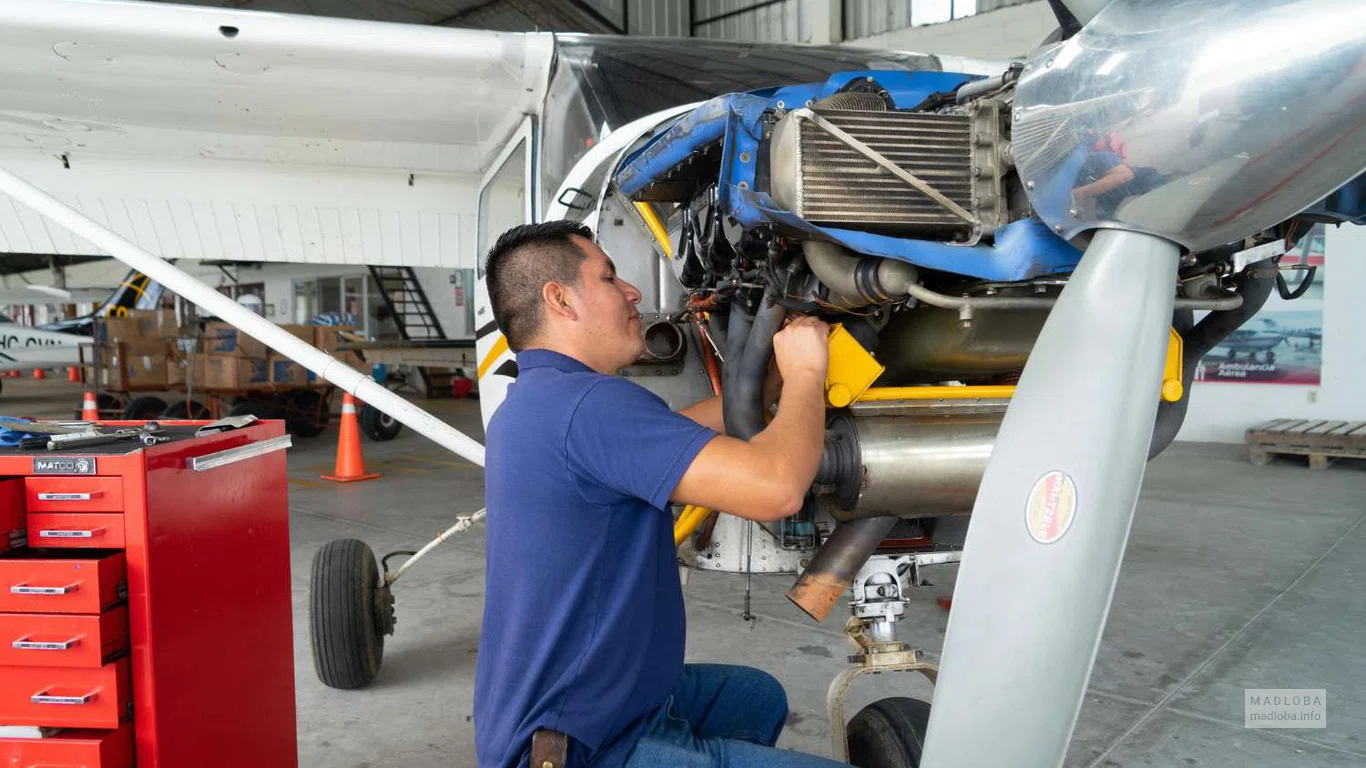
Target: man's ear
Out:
[559,300]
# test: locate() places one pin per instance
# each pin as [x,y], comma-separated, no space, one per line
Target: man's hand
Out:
[766,477]
[802,349]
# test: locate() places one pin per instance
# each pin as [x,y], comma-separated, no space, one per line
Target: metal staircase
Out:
[416,322]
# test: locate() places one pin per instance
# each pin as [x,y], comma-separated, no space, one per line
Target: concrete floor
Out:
[1235,577]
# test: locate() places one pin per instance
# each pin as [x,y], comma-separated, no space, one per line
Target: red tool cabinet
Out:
[149,615]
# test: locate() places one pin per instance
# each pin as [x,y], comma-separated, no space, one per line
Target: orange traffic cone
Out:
[73,373]
[350,465]
[39,373]
[90,410]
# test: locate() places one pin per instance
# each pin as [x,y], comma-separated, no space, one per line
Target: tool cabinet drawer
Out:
[76,748]
[66,697]
[82,531]
[61,582]
[56,640]
[73,494]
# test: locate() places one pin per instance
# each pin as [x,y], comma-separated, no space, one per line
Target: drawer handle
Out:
[25,589]
[43,697]
[25,644]
[91,496]
[89,533]
[240,453]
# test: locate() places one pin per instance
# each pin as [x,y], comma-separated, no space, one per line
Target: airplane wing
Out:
[206,133]
[45,294]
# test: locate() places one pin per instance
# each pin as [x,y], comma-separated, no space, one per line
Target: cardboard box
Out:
[286,371]
[141,363]
[234,372]
[137,325]
[225,339]
[159,324]
[182,370]
[304,332]
[326,338]
[352,358]
[112,329]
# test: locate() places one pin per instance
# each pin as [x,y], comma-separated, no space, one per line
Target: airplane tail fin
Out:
[136,291]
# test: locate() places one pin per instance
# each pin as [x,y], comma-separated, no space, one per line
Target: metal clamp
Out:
[43,697]
[24,589]
[24,644]
[240,453]
[71,534]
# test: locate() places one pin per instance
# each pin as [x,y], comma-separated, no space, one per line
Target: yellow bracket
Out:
[1172,388]
[689,521]
[993,392]
[852,369]
[656,226]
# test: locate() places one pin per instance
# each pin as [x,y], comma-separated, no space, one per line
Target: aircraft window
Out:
[502,203]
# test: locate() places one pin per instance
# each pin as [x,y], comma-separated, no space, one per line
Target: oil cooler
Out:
[830,177]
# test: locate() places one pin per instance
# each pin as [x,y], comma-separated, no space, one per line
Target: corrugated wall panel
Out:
[660,18]
[778,23]
[863,18]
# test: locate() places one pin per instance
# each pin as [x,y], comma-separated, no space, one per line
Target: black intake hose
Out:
[742,391]
[1256,285]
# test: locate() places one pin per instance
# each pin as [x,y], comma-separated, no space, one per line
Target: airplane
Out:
[705,170]
[1245,340]
[56,345]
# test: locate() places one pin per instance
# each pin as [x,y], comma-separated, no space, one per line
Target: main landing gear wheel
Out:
[193,410]
[144,408]
[889,733]
[305,415]
[350,610]
[378,425]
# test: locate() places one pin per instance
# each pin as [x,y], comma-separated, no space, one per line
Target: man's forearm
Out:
[708,413]
[796,436]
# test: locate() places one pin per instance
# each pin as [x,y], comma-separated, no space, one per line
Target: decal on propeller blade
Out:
[1051,507]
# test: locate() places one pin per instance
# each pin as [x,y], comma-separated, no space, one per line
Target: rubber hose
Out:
[742,396]
[1257,283]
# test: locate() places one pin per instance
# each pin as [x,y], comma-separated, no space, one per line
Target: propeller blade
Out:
[1052,516]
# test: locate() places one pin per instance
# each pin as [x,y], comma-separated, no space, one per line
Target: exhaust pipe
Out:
[837,563]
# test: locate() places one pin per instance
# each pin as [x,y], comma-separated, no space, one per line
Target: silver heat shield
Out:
[907,461]
[830,182]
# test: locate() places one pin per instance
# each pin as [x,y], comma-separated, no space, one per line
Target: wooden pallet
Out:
[1321,440]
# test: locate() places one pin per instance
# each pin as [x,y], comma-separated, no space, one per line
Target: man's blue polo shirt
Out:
[583,613]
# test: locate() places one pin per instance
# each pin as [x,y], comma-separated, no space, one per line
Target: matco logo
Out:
[1051,507]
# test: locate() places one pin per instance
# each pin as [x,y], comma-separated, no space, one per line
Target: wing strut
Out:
[327,367]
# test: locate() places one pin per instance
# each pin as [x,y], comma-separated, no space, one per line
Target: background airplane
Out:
[56,345]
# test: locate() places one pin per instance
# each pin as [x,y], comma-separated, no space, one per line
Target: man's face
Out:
[609,315]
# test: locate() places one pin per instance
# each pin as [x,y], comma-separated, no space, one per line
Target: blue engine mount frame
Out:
[1021,249]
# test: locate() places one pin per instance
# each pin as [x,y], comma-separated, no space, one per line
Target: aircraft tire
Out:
[378,425]
[179,410]
[346,611]
[144,408]
[889,733]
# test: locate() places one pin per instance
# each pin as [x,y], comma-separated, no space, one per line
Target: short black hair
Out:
[519,265]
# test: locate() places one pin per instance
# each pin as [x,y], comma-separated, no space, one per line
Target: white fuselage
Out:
[22,348]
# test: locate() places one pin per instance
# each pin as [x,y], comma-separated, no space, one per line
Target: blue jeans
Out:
[719,716]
